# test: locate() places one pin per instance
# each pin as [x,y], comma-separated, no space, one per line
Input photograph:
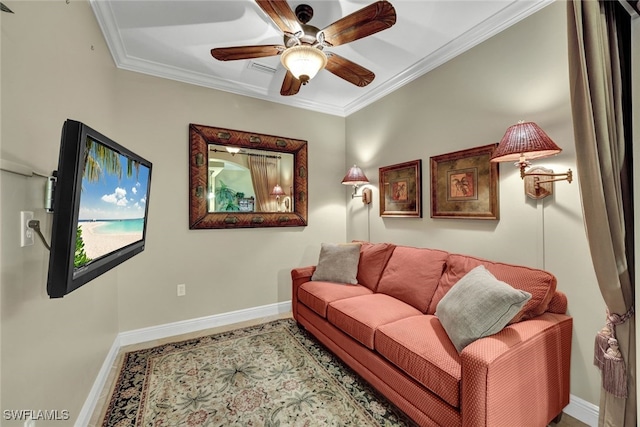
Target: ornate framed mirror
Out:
[241,179]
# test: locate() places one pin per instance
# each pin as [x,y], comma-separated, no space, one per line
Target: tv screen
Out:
[100,209]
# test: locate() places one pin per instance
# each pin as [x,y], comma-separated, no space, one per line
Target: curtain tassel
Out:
[601,345]
[614,374]
[607,356]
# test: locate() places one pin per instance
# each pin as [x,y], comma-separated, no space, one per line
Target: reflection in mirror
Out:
[249,180]
[240,179]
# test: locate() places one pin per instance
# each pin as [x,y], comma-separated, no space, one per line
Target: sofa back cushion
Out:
[412,275]
[539,283]
[373,260]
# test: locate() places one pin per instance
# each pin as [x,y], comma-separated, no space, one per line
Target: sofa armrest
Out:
[302,274]
[298,277]
[519,376]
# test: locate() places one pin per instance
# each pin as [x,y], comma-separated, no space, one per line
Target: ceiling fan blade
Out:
[348,70]
[281,14]
[290,85]
[246,52]
[369,20]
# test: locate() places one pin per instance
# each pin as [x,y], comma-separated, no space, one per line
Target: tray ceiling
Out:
[173,39]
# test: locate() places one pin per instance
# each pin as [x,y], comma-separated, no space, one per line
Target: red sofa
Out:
[385,328]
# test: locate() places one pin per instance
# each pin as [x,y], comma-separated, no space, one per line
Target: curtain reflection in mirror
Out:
[264,174]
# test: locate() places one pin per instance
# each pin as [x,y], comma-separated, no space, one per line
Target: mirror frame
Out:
[200,137]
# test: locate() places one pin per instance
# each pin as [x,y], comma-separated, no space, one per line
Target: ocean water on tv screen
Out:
[120,226]
[112,203]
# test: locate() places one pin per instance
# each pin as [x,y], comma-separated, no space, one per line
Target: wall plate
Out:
[535,189]
[27,235]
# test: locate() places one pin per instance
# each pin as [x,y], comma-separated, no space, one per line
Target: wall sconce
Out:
[526,141]
[356,177]
[277,191]
[232,150]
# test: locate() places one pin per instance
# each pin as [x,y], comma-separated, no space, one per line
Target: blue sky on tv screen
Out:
[114,197]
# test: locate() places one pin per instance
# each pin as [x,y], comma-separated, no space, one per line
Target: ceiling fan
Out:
[303,53]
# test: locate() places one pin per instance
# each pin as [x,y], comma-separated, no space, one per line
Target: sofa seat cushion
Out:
[420,347]
[412,275]
[360,316]
[539,283]
[318,295]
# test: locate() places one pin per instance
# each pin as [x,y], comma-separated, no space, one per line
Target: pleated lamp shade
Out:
[524,141]
[355,176]
[277,191]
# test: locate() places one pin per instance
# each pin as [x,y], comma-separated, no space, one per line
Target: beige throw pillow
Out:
[478,305]
[338,262]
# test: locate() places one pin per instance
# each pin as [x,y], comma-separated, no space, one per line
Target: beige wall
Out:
[470,101]
[55,65]
[51,349]
[224,270]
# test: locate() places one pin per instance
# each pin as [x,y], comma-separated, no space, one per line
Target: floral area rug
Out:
[274,374]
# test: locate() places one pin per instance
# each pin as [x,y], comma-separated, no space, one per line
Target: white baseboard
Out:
[99,384]
[582,410]
[164,331]
[577,408]
[137,336]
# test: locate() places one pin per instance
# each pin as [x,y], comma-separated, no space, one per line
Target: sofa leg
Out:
[557,419]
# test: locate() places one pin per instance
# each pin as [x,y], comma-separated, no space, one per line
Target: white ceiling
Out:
[173,38]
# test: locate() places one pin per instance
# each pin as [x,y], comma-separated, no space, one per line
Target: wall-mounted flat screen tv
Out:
[100,208]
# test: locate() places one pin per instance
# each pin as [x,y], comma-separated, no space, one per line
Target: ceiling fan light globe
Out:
[303,61]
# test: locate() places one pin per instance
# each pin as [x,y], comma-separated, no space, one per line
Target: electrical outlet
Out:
[26,234]
[182,289]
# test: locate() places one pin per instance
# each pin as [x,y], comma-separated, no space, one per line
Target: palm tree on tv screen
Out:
[98,160]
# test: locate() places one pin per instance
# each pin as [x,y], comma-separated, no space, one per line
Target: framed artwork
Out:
[464,184]
[400,194]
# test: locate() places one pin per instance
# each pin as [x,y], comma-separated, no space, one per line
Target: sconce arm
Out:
[566,176]
[355,194]
[365,194]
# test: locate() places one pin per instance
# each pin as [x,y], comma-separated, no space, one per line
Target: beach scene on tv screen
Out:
[112,203]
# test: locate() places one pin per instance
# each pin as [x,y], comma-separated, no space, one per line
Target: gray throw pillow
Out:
[338,262]
[478,305]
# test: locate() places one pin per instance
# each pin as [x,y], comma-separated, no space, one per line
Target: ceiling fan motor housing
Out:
[309,36]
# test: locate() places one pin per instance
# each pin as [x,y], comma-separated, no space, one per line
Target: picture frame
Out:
[464,184]
[400,190]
